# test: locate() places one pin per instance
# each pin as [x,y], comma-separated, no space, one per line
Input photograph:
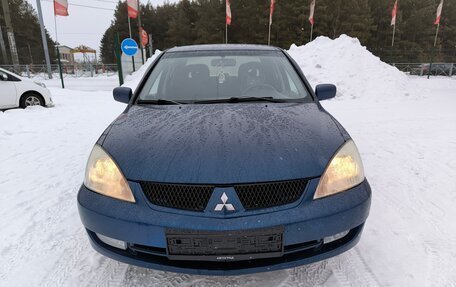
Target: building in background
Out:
[66,55]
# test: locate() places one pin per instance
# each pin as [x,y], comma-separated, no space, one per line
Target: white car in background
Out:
[16,91]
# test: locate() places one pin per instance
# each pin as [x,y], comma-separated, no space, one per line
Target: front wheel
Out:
[31,99]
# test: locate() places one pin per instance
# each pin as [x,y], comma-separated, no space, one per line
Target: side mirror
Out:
[122,94]
[3,77]
[325,91]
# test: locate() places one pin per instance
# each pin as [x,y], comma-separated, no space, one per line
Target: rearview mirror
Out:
[226,62]
[122,94]
[3,77]
[325,91]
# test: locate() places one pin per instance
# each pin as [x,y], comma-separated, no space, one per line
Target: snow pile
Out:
[132,81]
[355,71]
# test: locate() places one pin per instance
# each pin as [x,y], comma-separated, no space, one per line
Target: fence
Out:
[73,71]
[423,69]
[85,71]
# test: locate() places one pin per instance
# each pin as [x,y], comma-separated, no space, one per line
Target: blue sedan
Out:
[224,163]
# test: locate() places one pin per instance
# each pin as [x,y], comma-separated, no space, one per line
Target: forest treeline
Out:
[203,21]
[27,34]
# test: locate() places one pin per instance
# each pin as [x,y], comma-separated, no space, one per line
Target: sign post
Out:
[140,32]
[144,42]
[129,47]
[60,66]
[151,48]
[119,62]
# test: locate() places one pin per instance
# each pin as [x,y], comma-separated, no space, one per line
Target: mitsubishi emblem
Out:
[223,205]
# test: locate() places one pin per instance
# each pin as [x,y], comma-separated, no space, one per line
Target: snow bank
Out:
[132,81]
[355,71]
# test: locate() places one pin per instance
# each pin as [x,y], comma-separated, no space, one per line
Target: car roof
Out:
[223,47]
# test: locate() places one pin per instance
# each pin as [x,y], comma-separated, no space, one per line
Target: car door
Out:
[7,92]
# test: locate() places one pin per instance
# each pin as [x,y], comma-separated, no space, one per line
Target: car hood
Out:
[223,143]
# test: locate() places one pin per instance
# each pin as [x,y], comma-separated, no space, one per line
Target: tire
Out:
[31,99]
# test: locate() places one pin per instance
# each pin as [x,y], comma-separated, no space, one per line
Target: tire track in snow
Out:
[315,274]
[77,267]
[441,267]
[350,269]
[112,273]
[44,220]
[137,276]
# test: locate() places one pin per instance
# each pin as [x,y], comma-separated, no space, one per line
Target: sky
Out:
[84,26]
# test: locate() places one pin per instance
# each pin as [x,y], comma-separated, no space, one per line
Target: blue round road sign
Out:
[129,47]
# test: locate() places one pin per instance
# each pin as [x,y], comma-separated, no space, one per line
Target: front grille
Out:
[264,195]
[188,197]
[196,197]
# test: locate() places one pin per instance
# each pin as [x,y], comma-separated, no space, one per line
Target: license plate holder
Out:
[237,245]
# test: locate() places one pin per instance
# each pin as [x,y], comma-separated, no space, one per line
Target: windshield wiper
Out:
[159,102]
[240,100]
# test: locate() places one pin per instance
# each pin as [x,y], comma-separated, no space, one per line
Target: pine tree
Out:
[27,34]
[118,25]
[210,24]
[203,21]
[181,29]
[288,24]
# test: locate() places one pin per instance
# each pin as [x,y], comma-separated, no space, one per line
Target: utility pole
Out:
[151,49]
[30,54]
[10,33]
[132,57]
[43,38]
[2,47]
[139,31]
[118,58]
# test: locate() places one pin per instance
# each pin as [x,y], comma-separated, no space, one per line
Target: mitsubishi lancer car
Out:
[224,162]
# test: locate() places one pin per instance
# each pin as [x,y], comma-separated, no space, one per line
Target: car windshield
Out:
[12,77]
[212,76]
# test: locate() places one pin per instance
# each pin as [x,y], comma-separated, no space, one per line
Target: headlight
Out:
[40,84]
[344,171]
[104,176]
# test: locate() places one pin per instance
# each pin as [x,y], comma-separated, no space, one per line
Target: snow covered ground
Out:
[405,128]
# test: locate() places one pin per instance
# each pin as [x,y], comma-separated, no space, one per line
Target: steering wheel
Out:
[258,86]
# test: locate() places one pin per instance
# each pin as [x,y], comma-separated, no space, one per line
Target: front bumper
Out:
[305,226]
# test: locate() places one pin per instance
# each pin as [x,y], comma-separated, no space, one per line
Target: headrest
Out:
[251,68]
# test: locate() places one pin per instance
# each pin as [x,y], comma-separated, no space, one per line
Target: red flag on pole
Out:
[393,14]
[271,11]
[132,8]
[144,37]
[439,13]
[228,12]
[61,7]
[312,10]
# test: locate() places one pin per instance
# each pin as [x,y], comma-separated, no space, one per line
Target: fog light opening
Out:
[335,237]
[112,242]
